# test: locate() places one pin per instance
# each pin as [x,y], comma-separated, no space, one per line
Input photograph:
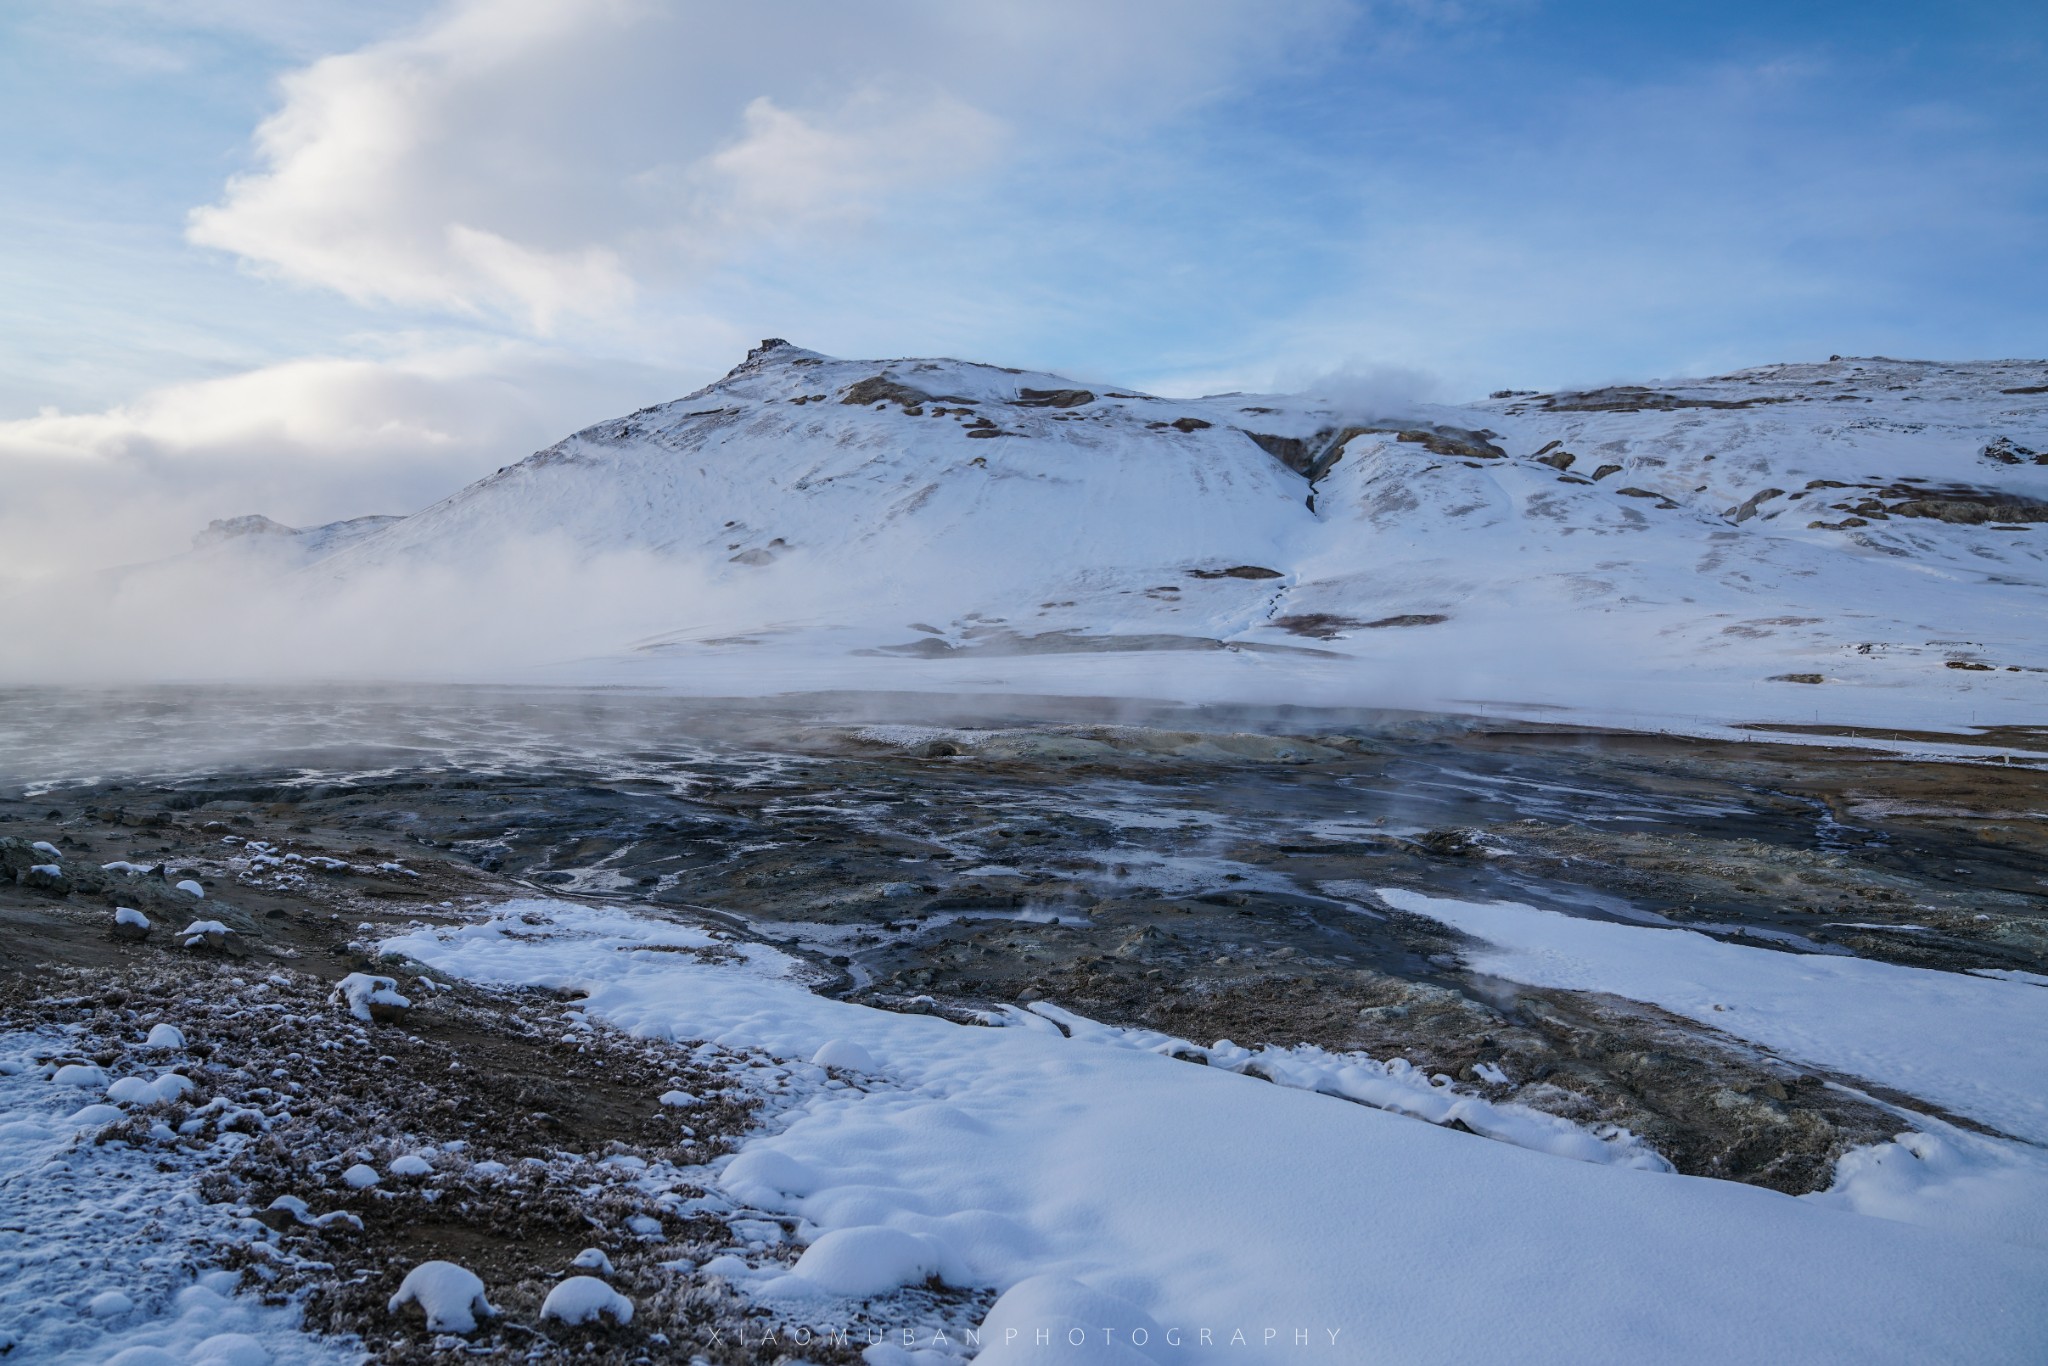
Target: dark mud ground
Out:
[1164,870]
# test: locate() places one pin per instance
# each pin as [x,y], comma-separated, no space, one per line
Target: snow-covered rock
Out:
[207,934]
[130,923]
[410,1165]
[451,1296]
[80,1074]
[370,997]
[191,888]
[584,1299]
[361,1176]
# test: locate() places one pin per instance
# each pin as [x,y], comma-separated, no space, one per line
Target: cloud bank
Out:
[545,160]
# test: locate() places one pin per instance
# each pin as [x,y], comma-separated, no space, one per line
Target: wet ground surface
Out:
[1170,868]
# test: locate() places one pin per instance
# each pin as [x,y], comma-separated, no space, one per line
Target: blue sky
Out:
[338,259]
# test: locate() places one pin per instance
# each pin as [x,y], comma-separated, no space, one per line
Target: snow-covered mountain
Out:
[1867,522]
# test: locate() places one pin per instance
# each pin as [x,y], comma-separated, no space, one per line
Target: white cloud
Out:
[536,160]
[303,442]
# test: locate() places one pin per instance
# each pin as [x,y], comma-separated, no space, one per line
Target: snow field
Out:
[1214,1201]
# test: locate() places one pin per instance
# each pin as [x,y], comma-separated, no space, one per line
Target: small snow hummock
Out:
[411,1164]
[1052,1307]
[130,923]
[192,889]
[80,1074]
[450,1296]
[846,1054]
[230,1349]
[858,1262]
[109,1304]
[45,847]
[135,1091]
[47,870]
[362,1176]
[582,1299]
[167,1036]
[593,1259]
[369,996]
[677,1098]
[121,865]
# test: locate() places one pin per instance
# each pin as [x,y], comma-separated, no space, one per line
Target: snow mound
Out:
[844,1053]
[760,1175]
[584,1299]
[45,847]
[1057,1318]
[859,1262]
[92,1116]
[109,1304]
[135,1091]
[80,1074]
[191,889]
[165,1036]
[231,1349]
[411,1164]
[361,1176]
[143,1356]
[450,1296]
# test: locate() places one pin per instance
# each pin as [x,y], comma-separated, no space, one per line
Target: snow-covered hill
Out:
[1708,549]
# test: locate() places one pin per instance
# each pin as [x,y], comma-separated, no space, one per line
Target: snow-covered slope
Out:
[257,537]
[1697,549]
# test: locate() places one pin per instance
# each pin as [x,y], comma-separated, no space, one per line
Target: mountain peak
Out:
[772,350]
